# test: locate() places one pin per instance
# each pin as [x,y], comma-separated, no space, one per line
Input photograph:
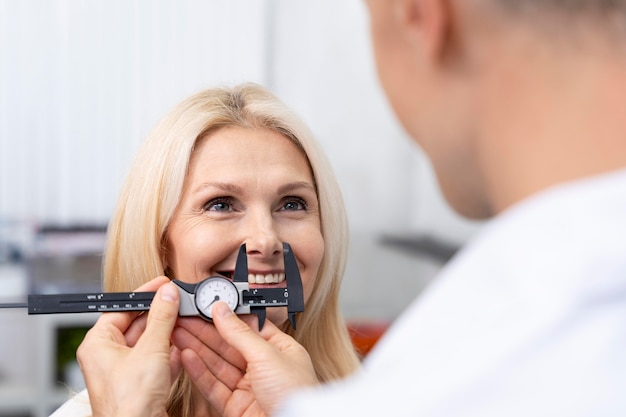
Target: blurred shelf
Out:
[23,399]
[431,247]
[16,398]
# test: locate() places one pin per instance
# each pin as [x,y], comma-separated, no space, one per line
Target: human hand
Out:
[128,362]
[240,371]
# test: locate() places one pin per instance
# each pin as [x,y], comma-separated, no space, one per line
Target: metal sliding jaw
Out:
[259,299]
[295,303]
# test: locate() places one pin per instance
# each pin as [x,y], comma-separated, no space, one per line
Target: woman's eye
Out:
[294,204]
[218,204]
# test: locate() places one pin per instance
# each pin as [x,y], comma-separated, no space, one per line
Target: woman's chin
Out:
[277,315]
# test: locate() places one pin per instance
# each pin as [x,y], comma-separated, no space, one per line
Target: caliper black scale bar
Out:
[196,299]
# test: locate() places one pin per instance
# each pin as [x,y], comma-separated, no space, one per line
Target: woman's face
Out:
[251,186]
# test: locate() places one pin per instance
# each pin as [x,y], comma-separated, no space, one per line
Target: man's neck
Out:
[554,119]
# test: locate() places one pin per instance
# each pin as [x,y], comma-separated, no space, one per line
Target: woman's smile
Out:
[260,279]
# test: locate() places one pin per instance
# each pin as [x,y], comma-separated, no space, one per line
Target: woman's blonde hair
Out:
[134,252]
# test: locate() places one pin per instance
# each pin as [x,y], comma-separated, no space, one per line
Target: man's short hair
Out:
[576,7]
[562,17]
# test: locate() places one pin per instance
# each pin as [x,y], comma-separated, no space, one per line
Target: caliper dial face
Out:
[215,289]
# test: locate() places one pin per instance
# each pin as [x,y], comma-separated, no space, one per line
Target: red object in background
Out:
[365,334]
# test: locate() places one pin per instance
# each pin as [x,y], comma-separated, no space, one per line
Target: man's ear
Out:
[428,23]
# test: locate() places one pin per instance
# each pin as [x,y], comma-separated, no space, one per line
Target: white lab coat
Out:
[528,320]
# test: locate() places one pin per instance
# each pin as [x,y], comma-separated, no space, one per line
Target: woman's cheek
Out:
[316,253]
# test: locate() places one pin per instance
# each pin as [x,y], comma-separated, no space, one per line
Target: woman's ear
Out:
[166,268]
[427,25]
[167,271]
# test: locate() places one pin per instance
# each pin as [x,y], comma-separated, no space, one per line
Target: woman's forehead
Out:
[240,152]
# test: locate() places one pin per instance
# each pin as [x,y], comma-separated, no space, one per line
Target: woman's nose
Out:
[261,237]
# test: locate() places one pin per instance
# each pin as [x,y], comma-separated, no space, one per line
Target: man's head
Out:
[476,83]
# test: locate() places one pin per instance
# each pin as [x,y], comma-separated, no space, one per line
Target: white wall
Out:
[82,82]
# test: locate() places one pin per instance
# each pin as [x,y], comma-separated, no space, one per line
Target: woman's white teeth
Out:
[266,278]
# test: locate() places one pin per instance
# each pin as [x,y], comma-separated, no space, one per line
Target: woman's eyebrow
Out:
[223,186]
[293,186]
[236,189]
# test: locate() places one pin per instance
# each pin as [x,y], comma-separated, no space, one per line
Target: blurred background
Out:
[83,82]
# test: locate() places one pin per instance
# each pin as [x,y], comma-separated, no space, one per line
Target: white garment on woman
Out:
[528,320]
[77,406]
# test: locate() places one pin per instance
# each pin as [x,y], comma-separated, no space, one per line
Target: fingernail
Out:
[221,309]
[169,293]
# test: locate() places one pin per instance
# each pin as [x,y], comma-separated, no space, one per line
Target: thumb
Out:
[162,317]
[235,331]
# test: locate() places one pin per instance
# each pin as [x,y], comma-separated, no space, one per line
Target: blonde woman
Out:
[227,166]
